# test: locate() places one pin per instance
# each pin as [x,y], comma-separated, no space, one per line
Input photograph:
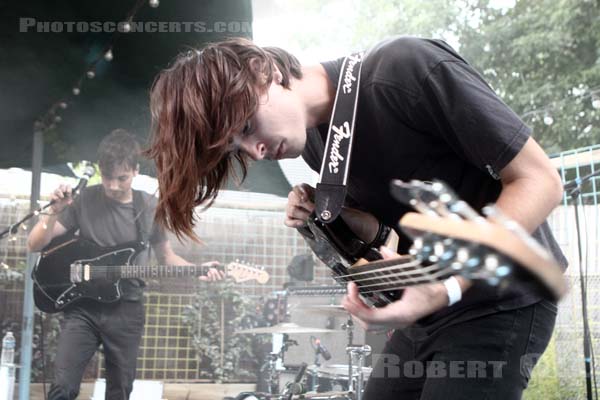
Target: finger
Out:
[294,223]
[300,192]
[388,253]
[203,278]
[298,213]
[309,191]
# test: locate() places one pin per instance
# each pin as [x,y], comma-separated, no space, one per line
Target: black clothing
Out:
[117,326]
[493,361]
[424,113]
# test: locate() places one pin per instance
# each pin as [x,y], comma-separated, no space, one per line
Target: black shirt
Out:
[424,113]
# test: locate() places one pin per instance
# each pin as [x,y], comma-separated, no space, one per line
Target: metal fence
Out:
[256,234]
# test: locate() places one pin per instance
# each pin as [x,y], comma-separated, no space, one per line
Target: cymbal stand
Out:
[358,353]
[349,328]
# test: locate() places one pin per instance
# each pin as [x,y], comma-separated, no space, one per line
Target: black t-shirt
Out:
[424,113]
[108,223]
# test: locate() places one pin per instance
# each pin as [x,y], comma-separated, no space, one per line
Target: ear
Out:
[277,75]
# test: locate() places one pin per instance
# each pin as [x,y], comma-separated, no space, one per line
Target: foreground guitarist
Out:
[423,113]
[108,215]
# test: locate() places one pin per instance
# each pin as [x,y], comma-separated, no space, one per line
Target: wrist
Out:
[454,290]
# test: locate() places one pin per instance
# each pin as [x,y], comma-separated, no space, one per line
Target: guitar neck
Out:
[148,271]
[393,274]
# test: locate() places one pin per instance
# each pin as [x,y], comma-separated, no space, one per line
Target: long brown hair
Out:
[197,106]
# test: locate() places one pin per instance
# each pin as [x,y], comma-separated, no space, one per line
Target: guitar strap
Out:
[139,208]
[331,189]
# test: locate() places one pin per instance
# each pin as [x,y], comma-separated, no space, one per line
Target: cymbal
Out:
[330,309]
[286,327]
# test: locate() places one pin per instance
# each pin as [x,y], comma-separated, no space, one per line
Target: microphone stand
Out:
[574,190]
[12,229]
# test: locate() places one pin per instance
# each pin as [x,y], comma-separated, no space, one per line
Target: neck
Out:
[317,94]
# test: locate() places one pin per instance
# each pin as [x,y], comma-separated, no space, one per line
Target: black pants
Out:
[118,327]
[489,357]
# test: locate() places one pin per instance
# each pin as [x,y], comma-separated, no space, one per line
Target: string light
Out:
[48,121]
[596,102]
[548,120]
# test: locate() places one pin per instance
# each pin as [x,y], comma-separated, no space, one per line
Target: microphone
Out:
[572,184]
[88,172]
[322,350]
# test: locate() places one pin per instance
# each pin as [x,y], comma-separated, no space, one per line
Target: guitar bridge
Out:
[76,273]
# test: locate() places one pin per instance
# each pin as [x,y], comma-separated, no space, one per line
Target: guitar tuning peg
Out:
[503,270]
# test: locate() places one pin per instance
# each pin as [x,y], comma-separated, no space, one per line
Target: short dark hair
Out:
[118,148]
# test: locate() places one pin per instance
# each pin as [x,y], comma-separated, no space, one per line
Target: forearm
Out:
[530,201]
[363,224]
[41,234]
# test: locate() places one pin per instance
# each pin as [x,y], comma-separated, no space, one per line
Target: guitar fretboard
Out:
[147,271]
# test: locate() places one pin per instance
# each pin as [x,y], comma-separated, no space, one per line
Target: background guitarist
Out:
[423,113]
[108,214]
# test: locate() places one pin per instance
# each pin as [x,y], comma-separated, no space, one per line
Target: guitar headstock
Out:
[446,231]
[241,272]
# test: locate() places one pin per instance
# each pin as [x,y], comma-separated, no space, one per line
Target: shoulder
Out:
[405,61]
[90,194]
[150,200]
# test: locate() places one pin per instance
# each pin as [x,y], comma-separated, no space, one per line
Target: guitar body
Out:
[53,289]
[340,249]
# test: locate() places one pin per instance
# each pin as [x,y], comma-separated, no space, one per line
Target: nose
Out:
[113,184]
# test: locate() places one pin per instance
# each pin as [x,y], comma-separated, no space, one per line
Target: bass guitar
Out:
[75,269]
[449,238]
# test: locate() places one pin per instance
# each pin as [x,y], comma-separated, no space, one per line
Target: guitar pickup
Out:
[76,273]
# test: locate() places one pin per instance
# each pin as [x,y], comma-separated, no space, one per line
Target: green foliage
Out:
[214,316]
[543,58]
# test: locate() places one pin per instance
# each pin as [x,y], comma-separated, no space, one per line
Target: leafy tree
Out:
[543,58]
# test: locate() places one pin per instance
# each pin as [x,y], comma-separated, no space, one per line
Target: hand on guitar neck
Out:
[213,274]
[416,302]
[301,205]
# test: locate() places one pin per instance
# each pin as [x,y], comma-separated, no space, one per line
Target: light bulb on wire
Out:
[76,91]
[596,103]
[154,3]
[548,120]
[90,74]
[108,56]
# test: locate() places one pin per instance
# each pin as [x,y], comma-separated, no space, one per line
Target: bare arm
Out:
[48,226]
[166,256]
[531,187]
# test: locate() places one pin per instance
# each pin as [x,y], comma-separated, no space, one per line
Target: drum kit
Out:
[314,381]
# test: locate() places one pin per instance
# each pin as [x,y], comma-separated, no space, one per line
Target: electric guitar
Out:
[75,269]
[449,238]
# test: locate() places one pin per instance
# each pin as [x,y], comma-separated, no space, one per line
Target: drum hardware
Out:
[285,327]
[358,353]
